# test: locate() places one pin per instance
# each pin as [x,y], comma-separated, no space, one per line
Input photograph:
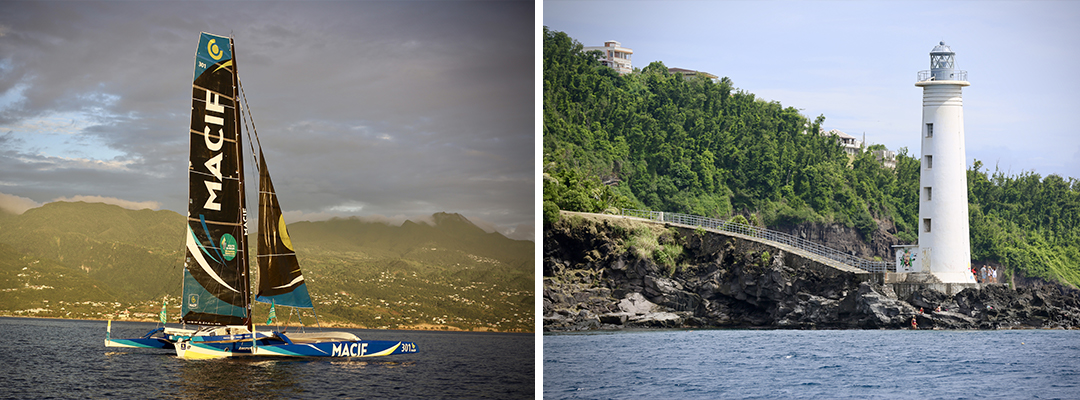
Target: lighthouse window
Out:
[929,130]
[926,225]
[929,162]
[927,192]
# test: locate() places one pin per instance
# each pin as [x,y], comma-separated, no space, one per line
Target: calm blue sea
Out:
[849,364]
[42,358]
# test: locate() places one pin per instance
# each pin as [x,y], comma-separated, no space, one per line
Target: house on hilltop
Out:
[851,145]
[615,56]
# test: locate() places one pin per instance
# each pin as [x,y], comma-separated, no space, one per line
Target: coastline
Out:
[420,328]
[596,278]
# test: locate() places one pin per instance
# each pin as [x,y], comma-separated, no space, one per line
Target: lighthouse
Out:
[944,245]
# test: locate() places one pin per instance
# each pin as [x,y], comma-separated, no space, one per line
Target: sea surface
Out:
[48,358]
[847,364]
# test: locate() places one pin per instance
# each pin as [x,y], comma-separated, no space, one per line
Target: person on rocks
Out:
[914,324]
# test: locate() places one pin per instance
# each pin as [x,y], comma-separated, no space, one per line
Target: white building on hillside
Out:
[851,145]
[886,158]
[615,56]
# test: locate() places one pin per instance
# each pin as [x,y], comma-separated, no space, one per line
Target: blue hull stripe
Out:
[363,348]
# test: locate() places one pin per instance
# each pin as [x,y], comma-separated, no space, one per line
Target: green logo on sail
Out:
[228,247]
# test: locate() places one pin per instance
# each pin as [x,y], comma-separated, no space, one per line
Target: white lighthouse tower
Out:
[944,244]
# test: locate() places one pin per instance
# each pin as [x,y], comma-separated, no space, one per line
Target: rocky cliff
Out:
[847,239]
[613,273]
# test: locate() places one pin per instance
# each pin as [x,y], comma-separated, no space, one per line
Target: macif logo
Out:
[215,52]
[213,165]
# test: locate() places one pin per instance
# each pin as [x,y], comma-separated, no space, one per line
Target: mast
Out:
[245,270]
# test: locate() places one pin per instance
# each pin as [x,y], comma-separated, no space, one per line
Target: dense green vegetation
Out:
[700,147]
[82,260]
[1026,222]
[660,141]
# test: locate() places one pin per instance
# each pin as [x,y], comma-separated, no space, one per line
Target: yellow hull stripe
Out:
[384,352]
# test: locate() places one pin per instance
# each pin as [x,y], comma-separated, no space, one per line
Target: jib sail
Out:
[280,279]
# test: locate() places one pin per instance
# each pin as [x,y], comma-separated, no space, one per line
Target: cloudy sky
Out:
[856,63]
[372,109]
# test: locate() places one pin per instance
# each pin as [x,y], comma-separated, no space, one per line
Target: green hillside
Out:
[452,273]
[659,141]
[137,255]
[103,260]
[31,282]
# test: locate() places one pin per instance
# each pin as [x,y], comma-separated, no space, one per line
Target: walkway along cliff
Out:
[614,272]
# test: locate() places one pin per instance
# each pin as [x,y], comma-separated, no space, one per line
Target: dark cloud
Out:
[363,108]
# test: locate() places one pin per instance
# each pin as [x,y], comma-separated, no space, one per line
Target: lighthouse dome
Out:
[941,49]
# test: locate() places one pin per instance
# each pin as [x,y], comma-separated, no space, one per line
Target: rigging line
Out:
[251,145]
[245,117]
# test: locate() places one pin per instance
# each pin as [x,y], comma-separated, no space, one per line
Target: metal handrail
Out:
[765,234]
[958,75]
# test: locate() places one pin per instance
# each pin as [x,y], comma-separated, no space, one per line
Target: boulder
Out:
[657,320]
[636,304]
[878,310]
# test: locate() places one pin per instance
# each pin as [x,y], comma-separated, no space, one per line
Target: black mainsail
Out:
[216,268]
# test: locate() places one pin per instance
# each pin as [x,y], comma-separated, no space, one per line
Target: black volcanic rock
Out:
[594,279]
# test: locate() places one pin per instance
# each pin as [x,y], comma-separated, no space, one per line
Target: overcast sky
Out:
[856,63]
[386,109]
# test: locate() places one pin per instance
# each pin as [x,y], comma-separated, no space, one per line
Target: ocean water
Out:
[41,358]
[848,364]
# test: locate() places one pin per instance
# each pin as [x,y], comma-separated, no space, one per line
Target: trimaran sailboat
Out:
[216,297]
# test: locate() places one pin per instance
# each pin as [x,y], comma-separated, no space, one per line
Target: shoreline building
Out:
[615,56]
[944,244]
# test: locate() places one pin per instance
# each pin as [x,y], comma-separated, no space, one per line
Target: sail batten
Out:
[215,222]
[214,137]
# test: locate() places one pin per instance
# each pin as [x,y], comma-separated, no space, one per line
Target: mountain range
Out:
[93,260]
